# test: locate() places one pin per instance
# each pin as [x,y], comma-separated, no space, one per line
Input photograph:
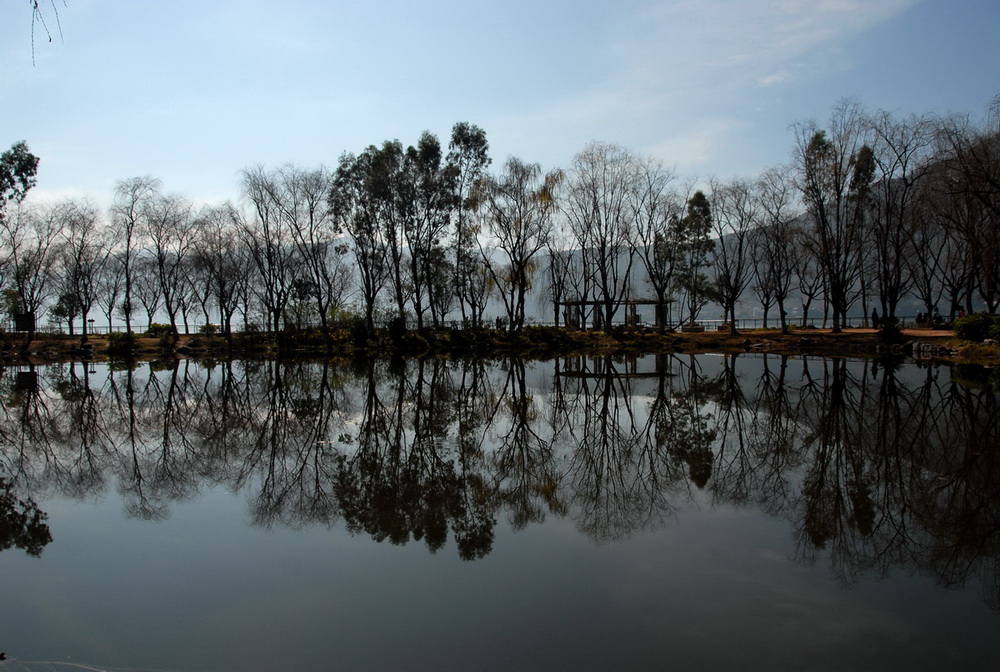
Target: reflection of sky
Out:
[714,589]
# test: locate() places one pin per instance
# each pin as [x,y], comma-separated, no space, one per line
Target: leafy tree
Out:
[67,309]
[468,157]
[359,215]
[441,276]
[18,167]
[11,302]
[372,200]
[694,244]
[427,197]
[517,208]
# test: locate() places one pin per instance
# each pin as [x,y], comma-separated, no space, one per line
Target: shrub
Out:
[157,330]
[977,326]
[397,329]
[209,329]
[891,332]
[359,331]
[120,343]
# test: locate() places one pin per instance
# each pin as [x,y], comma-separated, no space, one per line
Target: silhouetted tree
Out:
[693,247]
[468,158]
[22,523]
[835,178]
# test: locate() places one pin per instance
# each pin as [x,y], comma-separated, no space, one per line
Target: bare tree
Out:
[301,198]
[901,150]
[835,177]
[930,240]
[171,234]
[777,245]
[38,17]
[970,160]
[809,278]
[658,209]
[226,262]
[600,208]
[147,287]
[28,237]
[128,218]
[267,236]
[737,216]
[111,282]
[561,260]
[83,253]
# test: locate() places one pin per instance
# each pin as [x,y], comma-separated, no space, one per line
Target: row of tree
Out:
[872,210]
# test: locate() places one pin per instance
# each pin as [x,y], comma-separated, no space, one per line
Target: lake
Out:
[749,512]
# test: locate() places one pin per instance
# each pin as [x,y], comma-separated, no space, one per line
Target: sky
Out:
[193,93]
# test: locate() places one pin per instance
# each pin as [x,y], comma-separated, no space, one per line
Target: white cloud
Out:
[692,146]
[43,196]
[705,44]
[774,79]
[689,74]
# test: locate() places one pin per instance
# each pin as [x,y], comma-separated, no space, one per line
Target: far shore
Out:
[530,343]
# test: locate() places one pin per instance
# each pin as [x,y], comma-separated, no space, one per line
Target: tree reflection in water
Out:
[876,465]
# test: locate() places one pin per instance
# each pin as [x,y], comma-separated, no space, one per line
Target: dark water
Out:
[675,513]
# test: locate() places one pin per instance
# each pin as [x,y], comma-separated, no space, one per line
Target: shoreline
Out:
[530,343]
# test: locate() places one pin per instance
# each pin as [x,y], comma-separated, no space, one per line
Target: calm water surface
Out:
[750,512]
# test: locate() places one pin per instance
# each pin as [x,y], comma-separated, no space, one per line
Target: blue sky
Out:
[193,92]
